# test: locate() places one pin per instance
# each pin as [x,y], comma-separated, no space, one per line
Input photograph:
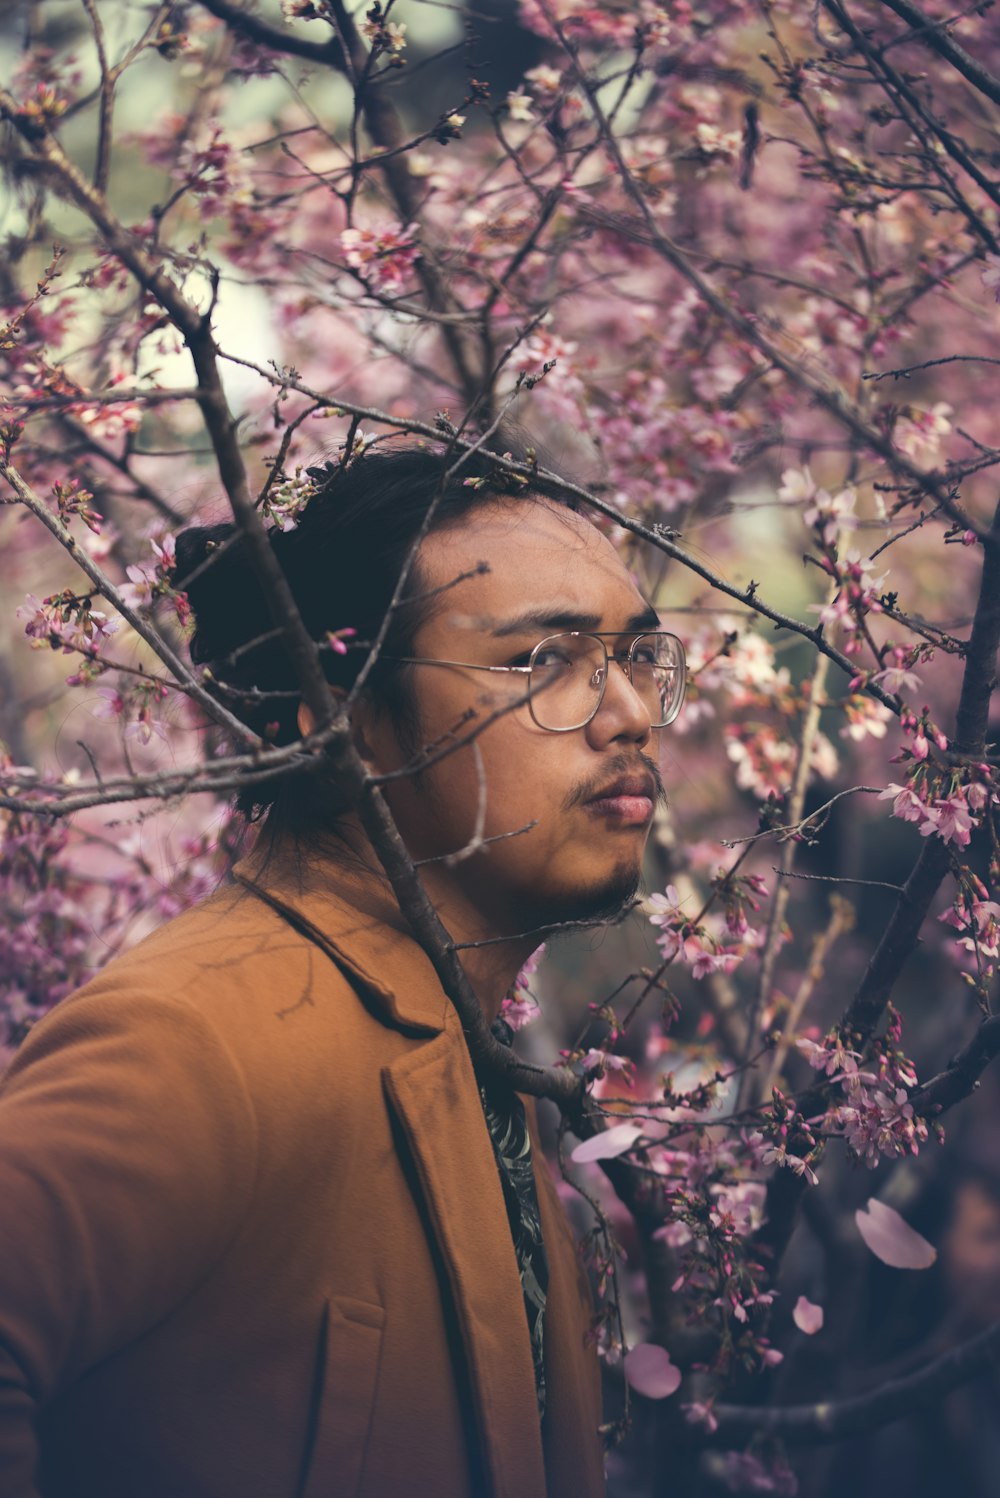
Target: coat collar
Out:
[352,914]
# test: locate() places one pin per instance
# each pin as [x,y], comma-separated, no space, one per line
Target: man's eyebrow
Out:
[554,620]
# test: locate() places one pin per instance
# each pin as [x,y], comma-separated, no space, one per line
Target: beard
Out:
[605,904]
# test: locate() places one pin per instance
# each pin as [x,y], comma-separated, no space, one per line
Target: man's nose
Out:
[622,713]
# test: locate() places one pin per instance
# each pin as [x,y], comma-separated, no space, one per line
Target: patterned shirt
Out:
[512,1149]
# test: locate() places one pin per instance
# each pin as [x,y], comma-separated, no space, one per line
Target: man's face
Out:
[590,793]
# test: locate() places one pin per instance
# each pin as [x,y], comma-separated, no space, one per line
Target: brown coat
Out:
[252,1238]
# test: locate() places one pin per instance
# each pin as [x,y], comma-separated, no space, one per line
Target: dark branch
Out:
[934,34]
[832,1420]
[961,1075]
[328,54]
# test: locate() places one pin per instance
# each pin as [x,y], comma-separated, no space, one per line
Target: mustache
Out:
[620,765]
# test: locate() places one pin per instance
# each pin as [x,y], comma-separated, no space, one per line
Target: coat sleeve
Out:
[127,1160]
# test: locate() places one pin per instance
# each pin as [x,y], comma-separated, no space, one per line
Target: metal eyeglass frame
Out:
[581,634]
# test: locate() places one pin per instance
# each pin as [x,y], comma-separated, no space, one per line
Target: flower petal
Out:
[807,1316]
[891,1239]
[607,1144]
[649,1370]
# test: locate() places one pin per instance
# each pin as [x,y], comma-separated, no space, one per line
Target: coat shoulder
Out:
[269,992]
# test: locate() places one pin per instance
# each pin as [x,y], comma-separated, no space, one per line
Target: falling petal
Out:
[649,1371]
[607,1144]
[807,1316]
[891,1239]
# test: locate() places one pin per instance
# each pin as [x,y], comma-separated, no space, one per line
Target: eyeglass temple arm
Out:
[420,660]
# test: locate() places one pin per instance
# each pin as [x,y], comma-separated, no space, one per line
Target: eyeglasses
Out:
[567,676]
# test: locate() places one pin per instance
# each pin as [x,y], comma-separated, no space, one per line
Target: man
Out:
[264,1231]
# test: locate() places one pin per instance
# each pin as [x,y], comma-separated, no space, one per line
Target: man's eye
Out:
[552,656]
[644,655]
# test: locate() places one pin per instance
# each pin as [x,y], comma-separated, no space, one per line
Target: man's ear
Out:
[305,719]
[359,719]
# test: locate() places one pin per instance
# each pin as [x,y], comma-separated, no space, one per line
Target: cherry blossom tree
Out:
[734,269]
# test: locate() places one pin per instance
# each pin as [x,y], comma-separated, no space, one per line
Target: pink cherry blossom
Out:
[908,806]
[990,275]
[112,706]
[778,1154]
[953,820]
[831,515]
[797,485]
[138,592]
[701,1414]
[519,1009]
[384,256]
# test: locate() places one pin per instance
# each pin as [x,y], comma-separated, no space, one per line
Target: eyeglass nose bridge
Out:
[626,664]
[599,680]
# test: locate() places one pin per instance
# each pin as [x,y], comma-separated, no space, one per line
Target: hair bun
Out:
[222,588]
[193,548]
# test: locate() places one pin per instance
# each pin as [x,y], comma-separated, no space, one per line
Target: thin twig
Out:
[841,920]
[780,898]
[107,96]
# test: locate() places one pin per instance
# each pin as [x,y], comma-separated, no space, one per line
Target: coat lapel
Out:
[434,1094]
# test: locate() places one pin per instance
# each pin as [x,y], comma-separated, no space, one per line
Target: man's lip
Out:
[624,810]
[629,786]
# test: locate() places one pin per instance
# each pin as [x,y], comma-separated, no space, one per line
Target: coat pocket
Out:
[340,1415]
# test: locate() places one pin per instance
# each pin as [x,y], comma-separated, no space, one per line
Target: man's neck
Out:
[491,959]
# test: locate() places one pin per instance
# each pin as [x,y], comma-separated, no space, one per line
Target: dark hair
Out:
[343,561]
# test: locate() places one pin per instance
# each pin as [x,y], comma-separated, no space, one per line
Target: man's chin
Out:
[601,904]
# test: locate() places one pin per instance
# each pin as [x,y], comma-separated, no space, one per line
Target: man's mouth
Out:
[629,800]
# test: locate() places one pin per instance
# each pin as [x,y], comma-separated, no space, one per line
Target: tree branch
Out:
[832,1420]
[934,34]
[893,80]
[107,99]
[971,725]
[961,1076]
[749,1082]
[328,54]
[386,130]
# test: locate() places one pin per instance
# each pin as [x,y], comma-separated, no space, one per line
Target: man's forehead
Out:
[548,568]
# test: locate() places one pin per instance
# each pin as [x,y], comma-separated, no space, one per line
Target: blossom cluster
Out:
[65,621]
[976,918]
[68,913]
[876,1118]
[948,806]
[383,257]
[713,944]
[520,1006]
[47,940]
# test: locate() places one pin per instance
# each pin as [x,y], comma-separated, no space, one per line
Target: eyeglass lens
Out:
[568,671]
